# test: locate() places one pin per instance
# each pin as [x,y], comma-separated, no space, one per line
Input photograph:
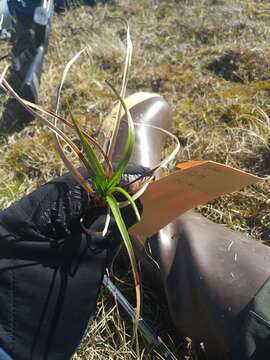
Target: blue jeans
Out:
[4,355]
[23,7]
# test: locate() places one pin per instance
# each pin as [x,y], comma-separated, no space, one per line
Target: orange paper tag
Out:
[197,183]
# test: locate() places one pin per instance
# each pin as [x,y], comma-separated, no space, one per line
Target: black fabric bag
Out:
[50,270]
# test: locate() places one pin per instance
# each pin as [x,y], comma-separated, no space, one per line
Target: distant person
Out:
[30,37]
[29,34]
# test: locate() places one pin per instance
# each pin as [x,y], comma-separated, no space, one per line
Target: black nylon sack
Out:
[50,270]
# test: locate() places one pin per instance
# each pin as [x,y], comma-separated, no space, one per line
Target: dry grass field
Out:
[210,61]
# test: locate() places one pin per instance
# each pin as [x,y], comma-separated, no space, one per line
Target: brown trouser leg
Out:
[209,274]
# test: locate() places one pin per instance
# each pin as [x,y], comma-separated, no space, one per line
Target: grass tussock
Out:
[210,61]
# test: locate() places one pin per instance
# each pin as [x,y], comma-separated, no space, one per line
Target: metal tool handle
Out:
[146,330]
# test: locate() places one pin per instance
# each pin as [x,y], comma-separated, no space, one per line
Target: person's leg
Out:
[23,10]
[210,275]
[29,44]
[5,20]
[4,355]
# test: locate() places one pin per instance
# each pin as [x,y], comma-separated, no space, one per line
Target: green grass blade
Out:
[124,233]
[95,169]
[121,167]
[129,198]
